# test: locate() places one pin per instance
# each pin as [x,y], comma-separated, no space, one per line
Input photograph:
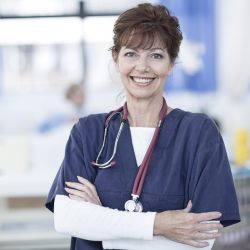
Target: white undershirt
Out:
[141,138]
[116,229]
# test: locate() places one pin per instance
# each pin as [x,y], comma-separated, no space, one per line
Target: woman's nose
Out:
[142,64]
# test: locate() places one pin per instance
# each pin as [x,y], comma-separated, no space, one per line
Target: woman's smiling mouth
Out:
[142,80]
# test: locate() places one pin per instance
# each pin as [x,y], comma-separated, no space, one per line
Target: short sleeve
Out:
[73,164]
[211,186]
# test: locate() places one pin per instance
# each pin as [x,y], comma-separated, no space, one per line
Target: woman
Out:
[166,167]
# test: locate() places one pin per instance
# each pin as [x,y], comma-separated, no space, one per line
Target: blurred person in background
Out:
[74,109]
[76,96]
[145,176]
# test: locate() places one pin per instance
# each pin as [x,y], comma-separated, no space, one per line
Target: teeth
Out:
[142,80]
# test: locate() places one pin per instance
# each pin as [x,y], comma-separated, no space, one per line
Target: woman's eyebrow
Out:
[151,49]
[129,48]
[157,48]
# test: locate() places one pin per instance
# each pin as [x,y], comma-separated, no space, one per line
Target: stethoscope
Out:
[133,205]
[110,162]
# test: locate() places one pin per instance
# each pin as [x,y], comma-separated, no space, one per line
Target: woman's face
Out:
[143,72]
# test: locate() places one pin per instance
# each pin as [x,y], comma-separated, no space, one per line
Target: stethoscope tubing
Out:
[140,177]
[110,162]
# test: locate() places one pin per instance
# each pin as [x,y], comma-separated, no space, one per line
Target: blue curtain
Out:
[196,70]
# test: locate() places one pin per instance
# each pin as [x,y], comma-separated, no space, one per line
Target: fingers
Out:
[211,226]
[188,207]
[82,196]
[86,182]
[89,185]
[84,190]
[196,243]
[78,193]
[79,187]
[199,240]
[208,216]
[77,198]
[205,235]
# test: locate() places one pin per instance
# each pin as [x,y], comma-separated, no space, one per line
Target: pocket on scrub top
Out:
[171,202]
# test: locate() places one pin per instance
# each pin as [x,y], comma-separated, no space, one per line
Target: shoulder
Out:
[194,119]
[90,125]
[91,121]
[197,125]
[191,117]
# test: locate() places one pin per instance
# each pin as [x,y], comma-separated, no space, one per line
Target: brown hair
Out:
[139,27]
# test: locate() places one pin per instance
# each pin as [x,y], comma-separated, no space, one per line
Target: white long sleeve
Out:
[116,229]
[92,222]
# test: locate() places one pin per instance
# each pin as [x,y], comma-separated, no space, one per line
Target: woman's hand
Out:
[83,191]
[187,228]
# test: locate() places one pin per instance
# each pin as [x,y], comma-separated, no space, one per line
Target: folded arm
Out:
[82,216]
[93,222]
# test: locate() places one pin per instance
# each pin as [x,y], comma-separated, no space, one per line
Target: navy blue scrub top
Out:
[189,162]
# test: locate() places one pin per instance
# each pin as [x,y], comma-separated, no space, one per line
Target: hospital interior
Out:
[53,51]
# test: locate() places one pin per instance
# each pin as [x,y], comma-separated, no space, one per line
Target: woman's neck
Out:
[144,113]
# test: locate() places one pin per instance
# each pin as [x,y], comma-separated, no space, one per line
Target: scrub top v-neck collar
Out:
[126,151]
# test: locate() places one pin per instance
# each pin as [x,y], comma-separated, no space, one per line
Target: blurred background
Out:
[55,66]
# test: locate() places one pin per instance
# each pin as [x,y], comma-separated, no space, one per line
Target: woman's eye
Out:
[129,54]
[157,56]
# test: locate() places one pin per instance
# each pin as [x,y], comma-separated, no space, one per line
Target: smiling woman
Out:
[143,72]
[169,164]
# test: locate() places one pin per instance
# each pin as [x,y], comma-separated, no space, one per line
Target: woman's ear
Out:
[170,68]
[115,58]
[114,55]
